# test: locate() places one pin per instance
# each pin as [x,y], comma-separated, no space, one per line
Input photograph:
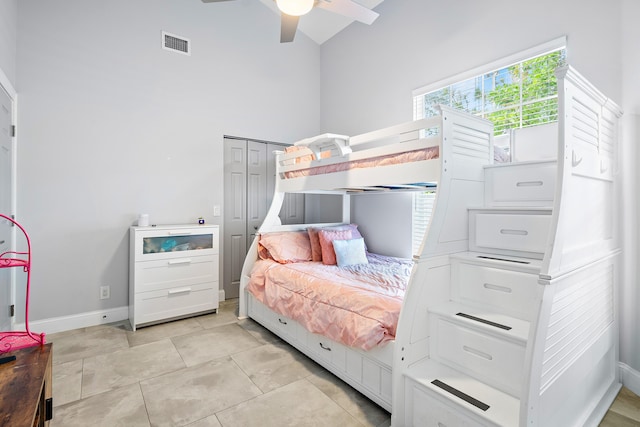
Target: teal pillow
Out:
[350,252]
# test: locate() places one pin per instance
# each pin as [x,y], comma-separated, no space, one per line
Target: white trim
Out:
[221,295]
[630,377]
[538,50]
[75,321]
[5,84]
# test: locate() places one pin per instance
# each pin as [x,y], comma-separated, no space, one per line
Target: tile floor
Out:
[212,370]
[206,371]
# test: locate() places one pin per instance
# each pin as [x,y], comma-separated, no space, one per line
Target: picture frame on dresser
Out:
[173,272]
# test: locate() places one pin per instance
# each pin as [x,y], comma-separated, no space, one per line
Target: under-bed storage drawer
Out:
[174,302]
[522,184]
[328,350]
[511,292]
[509,232]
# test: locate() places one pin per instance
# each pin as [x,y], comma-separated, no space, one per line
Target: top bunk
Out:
[410,156]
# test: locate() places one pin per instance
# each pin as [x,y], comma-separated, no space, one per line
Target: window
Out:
[518,95]
[422,209]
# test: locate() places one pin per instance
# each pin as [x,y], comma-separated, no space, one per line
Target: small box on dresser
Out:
[173,272]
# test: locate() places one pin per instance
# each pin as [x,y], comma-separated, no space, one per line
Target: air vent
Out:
[176,43]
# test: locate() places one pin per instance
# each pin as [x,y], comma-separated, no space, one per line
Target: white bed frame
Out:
[509,317]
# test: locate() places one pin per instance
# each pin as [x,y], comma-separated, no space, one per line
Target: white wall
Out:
[111,126]
[8,34]
[368,73]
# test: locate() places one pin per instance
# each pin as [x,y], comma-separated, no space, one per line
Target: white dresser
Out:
[173,272]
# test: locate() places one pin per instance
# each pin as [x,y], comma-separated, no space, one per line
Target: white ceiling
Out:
[320,25]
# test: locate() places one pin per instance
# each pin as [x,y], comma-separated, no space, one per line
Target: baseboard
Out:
[221,296]
[630,377]
[75,321]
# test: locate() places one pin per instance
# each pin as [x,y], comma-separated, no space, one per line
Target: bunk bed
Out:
[448,150]
[508,315]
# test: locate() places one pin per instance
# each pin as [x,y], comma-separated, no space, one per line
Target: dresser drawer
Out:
[497,361]
[166,242]
[530,184]
[173,302]
[510,292]
[510,231]
[178,271]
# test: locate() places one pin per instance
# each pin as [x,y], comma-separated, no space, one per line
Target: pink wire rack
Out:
[14,340]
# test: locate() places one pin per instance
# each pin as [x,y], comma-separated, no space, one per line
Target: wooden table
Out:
[25,388]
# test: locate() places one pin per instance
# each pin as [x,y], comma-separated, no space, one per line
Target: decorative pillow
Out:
[316,250]
[326,239]
[287,246]
[354,231]
[350,252]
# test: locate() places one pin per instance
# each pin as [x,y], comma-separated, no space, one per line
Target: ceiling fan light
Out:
[295,7]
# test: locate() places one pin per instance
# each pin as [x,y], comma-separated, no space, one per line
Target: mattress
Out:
[386,160]
[358,305]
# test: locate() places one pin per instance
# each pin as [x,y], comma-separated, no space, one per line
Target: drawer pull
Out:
[575,161]
[322,346]
[179,261]
[603,167]
[179,291]
[513,232]
[529,184]
[282,321]
[477,352]
[498,288]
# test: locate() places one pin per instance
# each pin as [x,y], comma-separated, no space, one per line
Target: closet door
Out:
[235,214]
[257,196]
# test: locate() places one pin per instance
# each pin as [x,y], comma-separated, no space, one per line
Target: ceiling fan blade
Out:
[288,27]
[349,9]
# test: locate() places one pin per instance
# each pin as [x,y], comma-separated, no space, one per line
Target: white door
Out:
[6,173]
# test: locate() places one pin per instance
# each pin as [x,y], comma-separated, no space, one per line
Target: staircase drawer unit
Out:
[426,410]
[509,231]
[511,292]
[521,184]
[496,361]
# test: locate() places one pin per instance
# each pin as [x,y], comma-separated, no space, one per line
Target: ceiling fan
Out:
[292,10]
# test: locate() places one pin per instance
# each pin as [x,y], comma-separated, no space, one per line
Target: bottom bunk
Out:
[369,372]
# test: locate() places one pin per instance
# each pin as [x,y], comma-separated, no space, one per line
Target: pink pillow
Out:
[287,246]
[316,250]
[326,243]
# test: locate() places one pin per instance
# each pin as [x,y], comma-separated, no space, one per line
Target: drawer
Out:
[502,232]
[179,301]
[511,292]
[526,184]
[496,361]
[154,243]
[168,273]
[328,350]
[424,410]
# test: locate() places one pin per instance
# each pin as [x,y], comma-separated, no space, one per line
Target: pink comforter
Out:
[357,305]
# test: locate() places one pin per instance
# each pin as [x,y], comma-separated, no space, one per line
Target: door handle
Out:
[1,242]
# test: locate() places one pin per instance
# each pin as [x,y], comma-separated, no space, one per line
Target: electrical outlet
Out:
[105,292]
